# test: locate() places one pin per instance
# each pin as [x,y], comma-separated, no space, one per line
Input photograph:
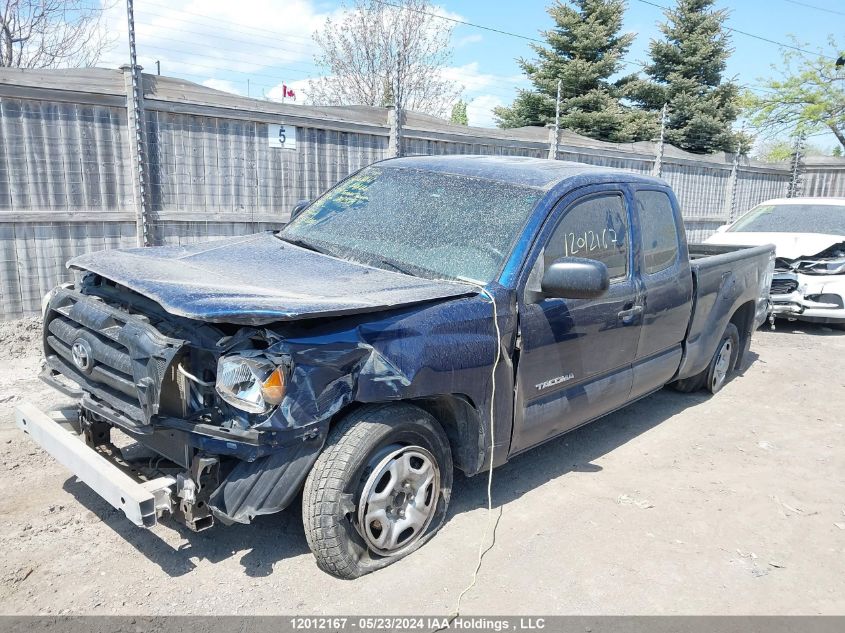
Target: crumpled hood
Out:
[259,279]
[787,245]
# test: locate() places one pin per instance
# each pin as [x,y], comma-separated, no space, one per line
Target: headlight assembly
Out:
[254,385]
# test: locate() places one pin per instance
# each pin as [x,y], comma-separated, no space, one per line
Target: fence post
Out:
[730,191]
[392,135]
[657,170]
[135,120]
[553,141]
[394,123]
[796,167]
[133,83]
[553,144]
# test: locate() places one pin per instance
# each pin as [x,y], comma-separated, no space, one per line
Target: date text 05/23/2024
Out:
[422,623]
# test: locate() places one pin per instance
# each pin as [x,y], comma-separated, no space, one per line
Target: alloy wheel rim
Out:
[723,361]
[399,499]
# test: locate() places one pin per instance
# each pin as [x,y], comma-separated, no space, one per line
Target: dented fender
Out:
[439,349]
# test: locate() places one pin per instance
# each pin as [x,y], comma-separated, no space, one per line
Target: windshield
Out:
[419,222]
[793,218]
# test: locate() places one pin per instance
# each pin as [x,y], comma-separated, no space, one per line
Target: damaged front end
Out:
[811,288]
[233,416]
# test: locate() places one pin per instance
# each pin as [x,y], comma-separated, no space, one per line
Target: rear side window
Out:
[659,233]
[595,228]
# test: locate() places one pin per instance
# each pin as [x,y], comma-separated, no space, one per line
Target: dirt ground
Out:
[680,504]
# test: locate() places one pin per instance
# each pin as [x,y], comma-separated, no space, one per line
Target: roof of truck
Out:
[518,170]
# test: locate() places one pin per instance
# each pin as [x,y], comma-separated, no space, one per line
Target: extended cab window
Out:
[595,228]
[659,233]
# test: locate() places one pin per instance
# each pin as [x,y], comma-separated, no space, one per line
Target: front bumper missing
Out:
[143,502]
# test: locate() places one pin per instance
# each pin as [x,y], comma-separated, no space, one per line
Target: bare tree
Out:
[383,53]
[50,33]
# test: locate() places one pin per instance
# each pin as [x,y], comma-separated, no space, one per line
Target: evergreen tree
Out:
[585,48]
[686,72]
[459,113]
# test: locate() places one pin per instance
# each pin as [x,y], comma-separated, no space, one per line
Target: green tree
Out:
[806,93]
[781,150]
[687,64]
[459,113]
[837,151]
[585,48]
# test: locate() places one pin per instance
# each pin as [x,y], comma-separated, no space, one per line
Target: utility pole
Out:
[658,159]
[135,120]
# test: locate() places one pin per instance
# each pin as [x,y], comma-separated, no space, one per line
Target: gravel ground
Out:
[680,504]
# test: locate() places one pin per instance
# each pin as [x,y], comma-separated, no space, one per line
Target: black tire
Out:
[705,379]
[355,448]
[729,343]
[691,384]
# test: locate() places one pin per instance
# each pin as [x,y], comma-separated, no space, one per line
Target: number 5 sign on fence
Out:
[281,136]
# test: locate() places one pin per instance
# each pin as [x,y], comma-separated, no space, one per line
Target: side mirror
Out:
[298,208]
[575,278]
[722,228]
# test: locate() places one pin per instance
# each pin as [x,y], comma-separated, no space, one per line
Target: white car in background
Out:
[809,239]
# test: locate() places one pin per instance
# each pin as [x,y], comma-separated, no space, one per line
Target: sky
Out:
[252,47]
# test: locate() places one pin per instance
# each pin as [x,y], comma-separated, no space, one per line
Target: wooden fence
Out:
[215,166]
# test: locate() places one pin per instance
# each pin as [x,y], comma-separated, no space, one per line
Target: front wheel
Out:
[379,489]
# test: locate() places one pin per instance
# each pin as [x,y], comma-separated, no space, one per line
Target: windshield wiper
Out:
[397,267]
[413,270]
[304,244]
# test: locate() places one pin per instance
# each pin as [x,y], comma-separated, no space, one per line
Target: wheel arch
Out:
[743,319]
[456,414]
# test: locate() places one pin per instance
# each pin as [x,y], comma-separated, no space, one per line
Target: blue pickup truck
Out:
[425,314]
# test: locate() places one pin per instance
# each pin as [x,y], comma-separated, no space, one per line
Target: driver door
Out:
[576,355]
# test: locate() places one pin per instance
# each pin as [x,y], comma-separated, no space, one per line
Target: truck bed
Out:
[725,278]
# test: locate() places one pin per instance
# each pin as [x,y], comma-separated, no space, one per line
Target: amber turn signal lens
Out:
[273,389]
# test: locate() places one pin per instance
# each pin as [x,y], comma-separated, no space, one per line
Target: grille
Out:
[118,359]
[783,286]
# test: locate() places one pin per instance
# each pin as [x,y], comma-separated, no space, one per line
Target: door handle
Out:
[630,316]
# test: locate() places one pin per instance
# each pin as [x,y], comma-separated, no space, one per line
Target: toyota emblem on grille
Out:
[81,352]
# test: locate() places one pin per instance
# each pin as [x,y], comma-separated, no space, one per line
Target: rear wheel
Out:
[720,368]
[378,491]
[724,360]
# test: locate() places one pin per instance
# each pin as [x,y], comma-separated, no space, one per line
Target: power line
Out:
[817,8]
[252,39]
[752,35]
[175,15]
[463,22]
[490,28]
[309,70]
[240,59]
[169,11]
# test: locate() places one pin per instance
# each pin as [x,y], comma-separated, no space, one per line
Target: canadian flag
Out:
[288,92]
